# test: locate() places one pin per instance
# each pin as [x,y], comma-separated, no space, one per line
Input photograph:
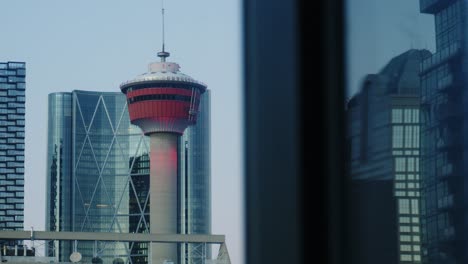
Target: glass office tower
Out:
[383,159]
[445,126]
[12,111]
[59,170]
[195,184]
[90,173]
[98,175]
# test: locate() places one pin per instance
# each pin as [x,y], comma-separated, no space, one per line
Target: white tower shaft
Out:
[163,193]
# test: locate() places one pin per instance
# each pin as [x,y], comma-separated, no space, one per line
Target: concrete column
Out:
[163,193]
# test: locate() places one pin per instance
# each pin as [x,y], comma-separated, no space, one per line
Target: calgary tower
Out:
[163,102]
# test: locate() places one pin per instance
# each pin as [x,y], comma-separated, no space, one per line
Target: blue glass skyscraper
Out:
[195,182]
[89,176]
[98,175]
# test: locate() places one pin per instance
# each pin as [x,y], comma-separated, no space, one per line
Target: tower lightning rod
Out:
[163,33]
[163,54]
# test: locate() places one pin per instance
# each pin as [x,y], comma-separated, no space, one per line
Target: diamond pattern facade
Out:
[104,158]
[98,176]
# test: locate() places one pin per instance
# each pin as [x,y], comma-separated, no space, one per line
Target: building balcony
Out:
[447,235]
[445,171]
[447,112]
[432,6]
[445,202]
[447,85]
[439,57]
[449,144]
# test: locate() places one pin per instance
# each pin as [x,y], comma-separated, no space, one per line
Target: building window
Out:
[408,136]
[405,229]
[416,136]
[401,177]
[405,248]
[404,220]
[415,206]
[405,257]
[400,185]
[410,164]
[400,193]
[416,115]
[400,164]
[397,116]
[397,136]
[405,238]
[403,206]
[407,116]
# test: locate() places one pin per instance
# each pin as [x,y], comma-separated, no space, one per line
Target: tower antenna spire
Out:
[163,54]
[163,33]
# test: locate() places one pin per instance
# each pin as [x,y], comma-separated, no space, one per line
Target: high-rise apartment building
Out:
[12,111]
[384,154]
[444,115]
[98,175]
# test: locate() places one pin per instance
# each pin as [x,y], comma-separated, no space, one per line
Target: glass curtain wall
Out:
[430,179]
[195,182]
[98,176]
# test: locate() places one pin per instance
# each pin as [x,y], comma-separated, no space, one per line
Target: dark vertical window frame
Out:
[282,70]
[332,110]
[272,134]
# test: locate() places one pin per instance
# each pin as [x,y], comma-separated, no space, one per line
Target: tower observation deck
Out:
[163,102]
[163,99]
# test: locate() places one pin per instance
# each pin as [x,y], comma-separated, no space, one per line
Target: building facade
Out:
[383,162]
[195,186]
[98,175]
[59,170]
[89,183]
[444,129]
[12,121]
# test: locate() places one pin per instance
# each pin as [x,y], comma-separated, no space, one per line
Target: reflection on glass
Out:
[406,124]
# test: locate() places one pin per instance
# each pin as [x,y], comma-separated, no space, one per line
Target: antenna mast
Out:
[162,12]
[163,54]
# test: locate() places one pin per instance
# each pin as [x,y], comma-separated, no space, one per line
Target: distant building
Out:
[98,175]
[19,254]
[195,200]
[17,250]
[91,177]
[59,210]
[383,160]
[12,111]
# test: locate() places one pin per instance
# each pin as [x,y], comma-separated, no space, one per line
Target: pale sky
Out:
[95,45]
[379,30]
